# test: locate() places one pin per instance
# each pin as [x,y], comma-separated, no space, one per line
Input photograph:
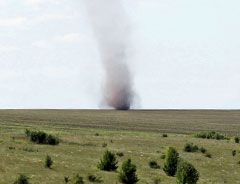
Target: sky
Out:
[183,54]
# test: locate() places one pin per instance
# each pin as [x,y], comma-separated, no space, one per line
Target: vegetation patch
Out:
[108,162]
[41,137]
[153,164]
[189,147]
[211,135]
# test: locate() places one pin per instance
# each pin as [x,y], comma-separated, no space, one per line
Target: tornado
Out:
[111,29]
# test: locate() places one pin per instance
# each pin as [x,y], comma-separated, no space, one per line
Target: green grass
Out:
[138,134]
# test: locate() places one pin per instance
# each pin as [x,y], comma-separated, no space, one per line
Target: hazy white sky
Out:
[183,54]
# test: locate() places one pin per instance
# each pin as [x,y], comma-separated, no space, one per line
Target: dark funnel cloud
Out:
[110,25]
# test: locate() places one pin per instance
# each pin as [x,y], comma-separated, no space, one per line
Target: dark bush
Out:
[94,179]
[41,137]
[78,180]
[104,145]
[236,139]
[66,179]
[163,156]
[157,181]
[186,173]
[108,162]
[189,147]
[153,164]
[203,150]
[234,152]
[164,135]
[170,165]
[209,155]
[22,179]
[48,161]
[127,173]
[211,135]
[120,154]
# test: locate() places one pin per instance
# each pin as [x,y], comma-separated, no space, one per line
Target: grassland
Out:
[138,134]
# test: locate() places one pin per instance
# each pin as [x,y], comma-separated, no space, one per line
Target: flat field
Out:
[138,134]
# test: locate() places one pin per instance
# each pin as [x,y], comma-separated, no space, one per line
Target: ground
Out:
[138,134]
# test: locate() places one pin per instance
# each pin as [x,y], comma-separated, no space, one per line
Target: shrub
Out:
[41,137]
[11,148]
[127,173]
[163,156]
[153,164]
[48,161]
[96,134]
[236,139]
[66,179]
[22,179]
[120,154]
[108,162]
[211,135]
[78,180]
[189,147]
[164,135]
[209,155]
[170,165]
[93,178]
[186,173]
[156,180]
[203,150]
[234,152]
[104,145]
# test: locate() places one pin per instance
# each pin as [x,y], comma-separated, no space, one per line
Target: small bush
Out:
[186,173]
[163,156]
[170,165]
[48,161]
[120,154]
[234,152]
[153,164]
[164,135]
[22,179]
[211,135]
[209,155]
[104,145]
[11,148]
[127,173]
[41,137]
[236,139]
[78,180]
[238,162]
[66,179]
[203,150]
[96,134]
[108,162]
[93,178]
[189,147]
[156,180]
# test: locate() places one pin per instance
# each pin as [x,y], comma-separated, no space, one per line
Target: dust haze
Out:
[111,29]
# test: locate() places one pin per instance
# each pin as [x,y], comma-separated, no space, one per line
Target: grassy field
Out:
[138,134]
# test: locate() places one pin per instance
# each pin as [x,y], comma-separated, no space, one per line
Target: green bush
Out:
[41,137]
[211,135]
[22,179]
[234,152]
[78,179]
[94,179]
[164,135]
[48,161]
[203,150]
[66,179]
[156,180]
[127,173]
[153,164]
[186,173]
[163,156]
[108,162]
[170,165]
[189,147]
[120,154]
[104,145]
[236,139]
[209,155]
